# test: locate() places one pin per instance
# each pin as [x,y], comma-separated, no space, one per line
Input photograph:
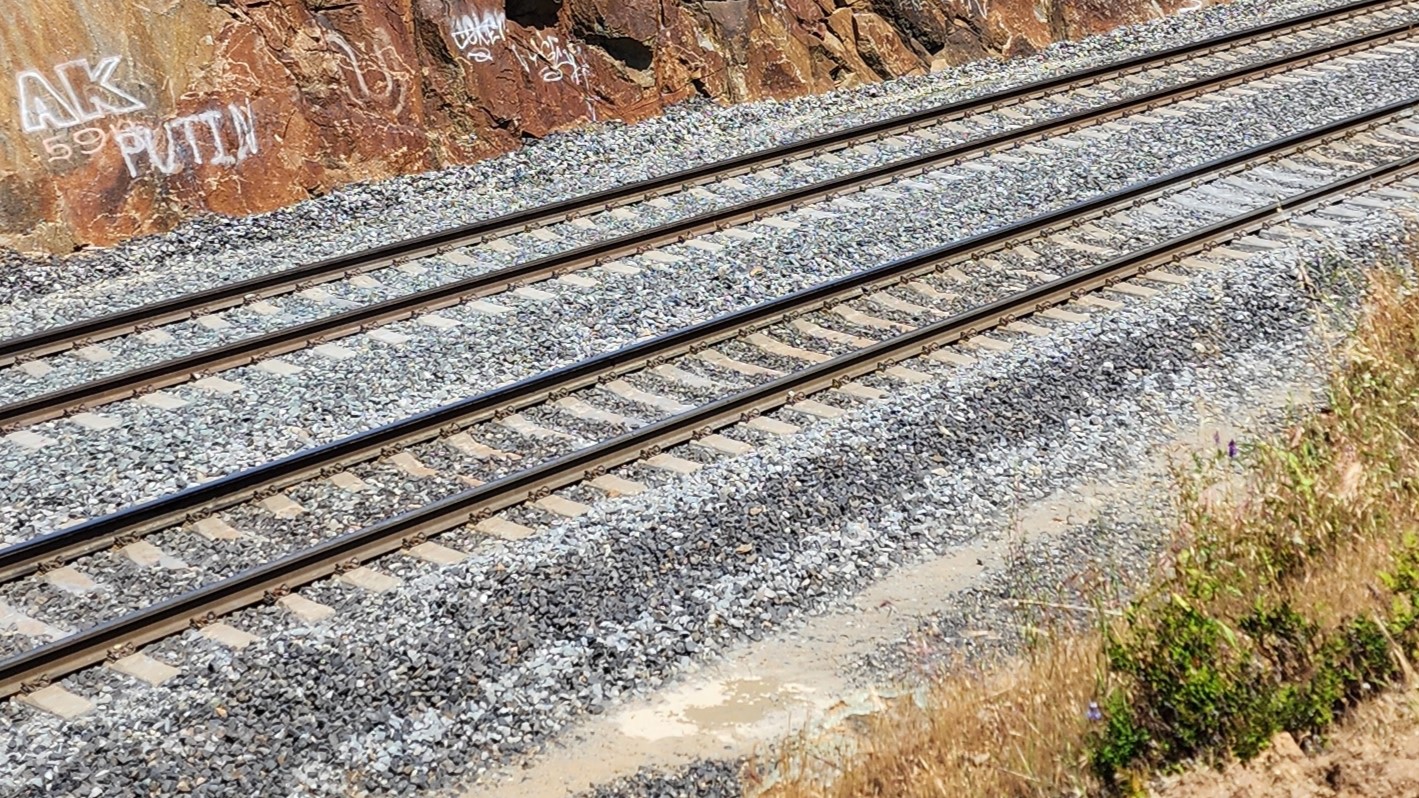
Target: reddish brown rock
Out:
[882,48]
[118,119]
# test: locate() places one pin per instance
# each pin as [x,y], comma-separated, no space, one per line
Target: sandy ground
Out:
[1375,754]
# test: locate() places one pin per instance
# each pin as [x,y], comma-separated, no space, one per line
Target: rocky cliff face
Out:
[120,118]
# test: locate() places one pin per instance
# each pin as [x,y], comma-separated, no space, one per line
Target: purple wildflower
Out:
[1231,448]
[1093,713]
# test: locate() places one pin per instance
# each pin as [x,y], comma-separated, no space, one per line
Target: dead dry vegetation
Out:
[1289,598]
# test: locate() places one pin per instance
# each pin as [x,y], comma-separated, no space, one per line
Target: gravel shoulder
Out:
[883,643]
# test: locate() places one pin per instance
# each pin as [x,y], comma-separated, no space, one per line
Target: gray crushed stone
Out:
[500,653]
[704,779]
[330,510]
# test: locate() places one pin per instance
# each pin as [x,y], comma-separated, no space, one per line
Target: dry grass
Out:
[1318,516]
[1009,731]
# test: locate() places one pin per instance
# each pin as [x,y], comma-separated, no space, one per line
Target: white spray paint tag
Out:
[83,93]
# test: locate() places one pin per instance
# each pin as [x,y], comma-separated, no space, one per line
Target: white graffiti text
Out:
[219,136]
[475,34]
[554,59]
[80,93]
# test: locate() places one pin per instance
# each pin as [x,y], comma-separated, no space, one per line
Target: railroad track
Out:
[155,376]
[58,548]
[1296,163]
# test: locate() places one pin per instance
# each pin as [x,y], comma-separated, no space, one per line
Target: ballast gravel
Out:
[184,338]
[984,621]
[389,490]
[152,452]
[555,168]
[329,510]
[137,288]
[471,666]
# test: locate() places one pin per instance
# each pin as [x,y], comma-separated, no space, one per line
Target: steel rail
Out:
[61,338]
[276,578]
[243,352]
[65,545]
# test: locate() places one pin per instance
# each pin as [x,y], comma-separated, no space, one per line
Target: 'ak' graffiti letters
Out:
[80,92]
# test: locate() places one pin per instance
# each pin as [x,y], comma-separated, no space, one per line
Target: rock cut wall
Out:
[121,117]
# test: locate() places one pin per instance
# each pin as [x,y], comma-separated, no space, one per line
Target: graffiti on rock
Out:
[475,34]
[371,78]
[84,141]
[544,54]
[79,93]
[553,60]
[87,111]
[218,136]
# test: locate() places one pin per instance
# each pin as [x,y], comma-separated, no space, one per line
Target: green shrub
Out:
[1121,743]
[1403,584]
[1185,684]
